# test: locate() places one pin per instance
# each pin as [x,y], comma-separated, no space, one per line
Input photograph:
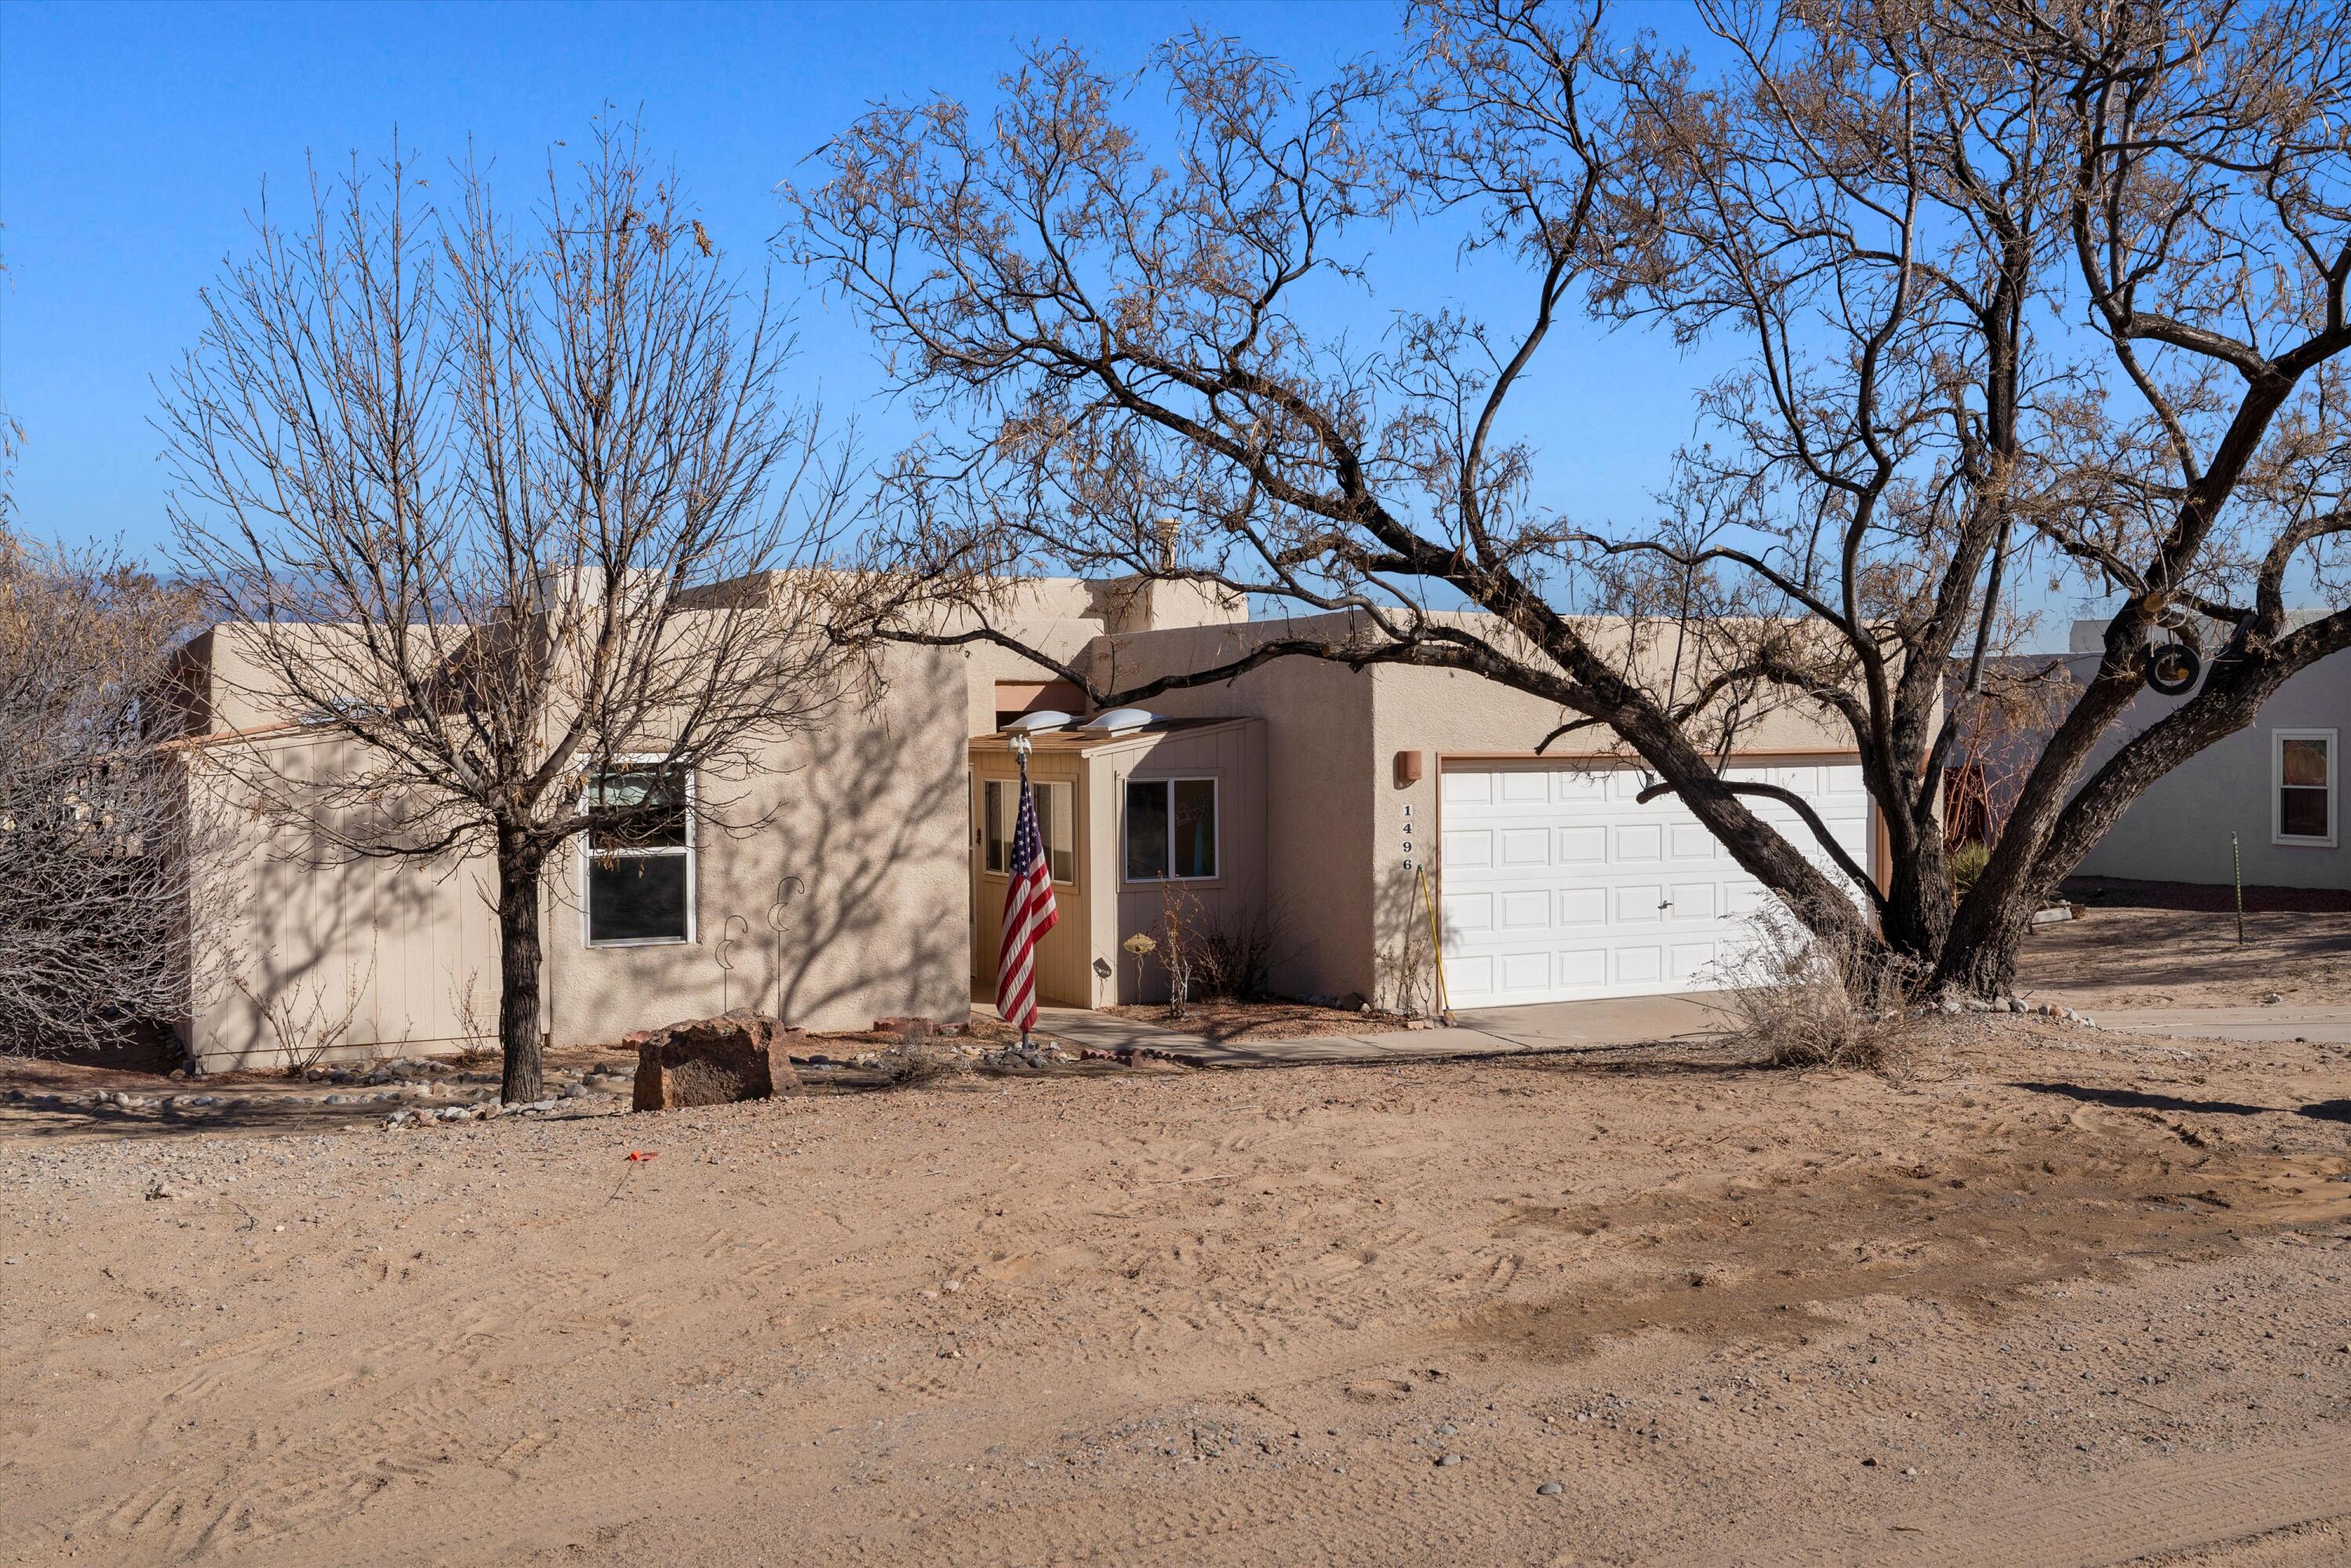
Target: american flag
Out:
[1029,913]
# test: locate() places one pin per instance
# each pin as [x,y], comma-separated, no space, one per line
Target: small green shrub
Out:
[1968,862]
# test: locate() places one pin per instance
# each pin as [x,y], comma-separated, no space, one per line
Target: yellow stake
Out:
[1436,946]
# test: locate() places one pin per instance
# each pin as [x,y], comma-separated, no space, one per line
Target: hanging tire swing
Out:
[2172,666]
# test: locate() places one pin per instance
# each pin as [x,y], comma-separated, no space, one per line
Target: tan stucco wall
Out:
[384,956]
[867,809]
[1335,820]
[1234,756]
[868,812]
[1318,787]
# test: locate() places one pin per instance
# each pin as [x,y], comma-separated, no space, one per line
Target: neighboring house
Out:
[2271,788]
[1323,810]
[2263,802]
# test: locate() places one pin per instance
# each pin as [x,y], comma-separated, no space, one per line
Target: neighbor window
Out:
[1171,830]
[999,807]
[639,879]
[2303,764]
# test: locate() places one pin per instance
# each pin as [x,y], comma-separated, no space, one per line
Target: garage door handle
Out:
[1666,905]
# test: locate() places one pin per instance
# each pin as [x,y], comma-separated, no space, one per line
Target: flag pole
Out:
[1020,744]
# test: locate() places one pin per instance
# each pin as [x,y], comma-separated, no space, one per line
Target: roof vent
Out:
[1123,720]
[1043,719]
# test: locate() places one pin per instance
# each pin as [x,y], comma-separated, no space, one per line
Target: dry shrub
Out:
[912,1064]
[1808,1001]
[1216,953]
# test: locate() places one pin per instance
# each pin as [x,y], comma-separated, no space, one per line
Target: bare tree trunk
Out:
[519,864]
[1917,912]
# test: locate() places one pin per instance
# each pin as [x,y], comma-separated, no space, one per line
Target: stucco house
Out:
[1328,809]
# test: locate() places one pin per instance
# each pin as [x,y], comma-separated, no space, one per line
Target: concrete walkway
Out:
[1547,1027]
[1625,1020]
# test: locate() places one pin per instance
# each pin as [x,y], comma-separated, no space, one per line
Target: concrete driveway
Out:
[2276,1025]
[1492,1031]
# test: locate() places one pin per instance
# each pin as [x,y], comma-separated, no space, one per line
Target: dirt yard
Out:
[2054,1298]
[2141,957]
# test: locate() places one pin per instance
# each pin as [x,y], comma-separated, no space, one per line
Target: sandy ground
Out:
[2124,957]
[2049,1297]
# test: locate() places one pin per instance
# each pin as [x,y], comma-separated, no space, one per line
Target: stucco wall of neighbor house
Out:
[2179,829]
[868,812]
[1319,785]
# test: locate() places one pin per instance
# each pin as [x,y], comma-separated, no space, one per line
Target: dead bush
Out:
[1216,953]
[912,1064]
[1806,1001]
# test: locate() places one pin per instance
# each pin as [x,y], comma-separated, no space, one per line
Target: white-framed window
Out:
[636,884]
[999,808]
[2301,788]
[1171,830]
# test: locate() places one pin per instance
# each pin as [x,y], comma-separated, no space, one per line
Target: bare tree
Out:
[505,504]
[1896,208]
[100,894]
[2053,291]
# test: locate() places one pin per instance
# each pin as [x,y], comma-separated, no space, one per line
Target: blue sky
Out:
[135,139]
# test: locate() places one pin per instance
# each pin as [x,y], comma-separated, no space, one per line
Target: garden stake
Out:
[2237,863]
[1435,946]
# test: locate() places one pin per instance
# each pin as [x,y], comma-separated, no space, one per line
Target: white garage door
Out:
[1559,885]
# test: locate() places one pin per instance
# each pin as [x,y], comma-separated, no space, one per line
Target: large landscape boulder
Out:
[740,1055]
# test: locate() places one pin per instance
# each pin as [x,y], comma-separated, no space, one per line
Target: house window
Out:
[1171,830]
[999,806]
[2302,762]
[638,880]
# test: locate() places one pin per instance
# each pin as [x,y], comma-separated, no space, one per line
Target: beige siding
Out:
[1234,756]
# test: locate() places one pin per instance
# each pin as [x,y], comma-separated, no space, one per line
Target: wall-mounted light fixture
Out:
[1407,768]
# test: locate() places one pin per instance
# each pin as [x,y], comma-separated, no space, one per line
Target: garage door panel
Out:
[1695,900]
[1640,903]
[1468,849]
[1524,909]
[1526,971]
[1473,973]
[1693,843]
[1639,966]
[1560,883]
[1581,906]
[1466,788]
[1522,847]
[1641,841]
[1583,846]
[1468,912]
[1690,961]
